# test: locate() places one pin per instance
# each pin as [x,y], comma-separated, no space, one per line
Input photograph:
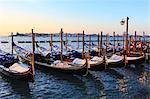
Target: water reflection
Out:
[143,78]
[17,88]
[121,85]
[56,84]
[22,89]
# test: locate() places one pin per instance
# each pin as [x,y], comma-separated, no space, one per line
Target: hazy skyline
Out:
[73,16]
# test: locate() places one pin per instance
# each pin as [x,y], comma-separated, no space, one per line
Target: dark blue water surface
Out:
[116,83]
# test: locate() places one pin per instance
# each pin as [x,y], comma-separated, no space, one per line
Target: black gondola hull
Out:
[97,67]
[116,64]
[137,61]
[21,76]
[81,71]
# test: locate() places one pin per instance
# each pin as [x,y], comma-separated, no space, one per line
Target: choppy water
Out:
[117,83]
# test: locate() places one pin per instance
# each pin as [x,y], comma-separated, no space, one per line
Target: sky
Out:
[74,16]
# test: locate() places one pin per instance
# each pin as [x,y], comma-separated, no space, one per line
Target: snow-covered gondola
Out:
[97,63]
[10,67]
[17,71]
[115,60]
[135,58]
[77,66]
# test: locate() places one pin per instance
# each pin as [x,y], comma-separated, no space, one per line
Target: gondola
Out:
[115,57]
[110,47]
[22,53]
[6,58]
[45,53]
[135,58]
[73,52]
[10,67]
[119,48]
[17,70]
[96,63]
[115,60]
[135,54]
[77,66]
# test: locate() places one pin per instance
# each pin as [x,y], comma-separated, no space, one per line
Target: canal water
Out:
[116,83]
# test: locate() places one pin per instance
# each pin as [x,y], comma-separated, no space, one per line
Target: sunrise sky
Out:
[73,16]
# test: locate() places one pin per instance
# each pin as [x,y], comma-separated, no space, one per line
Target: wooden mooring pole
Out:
[33,57]
[61,45]
[101,43]
[98,45]
[78,41]
[123,39]
[105,54]
[89,42]
[12,40]
[127,33]
[114,43]
[66,41]
[51,43]
[134,49]
[83,45]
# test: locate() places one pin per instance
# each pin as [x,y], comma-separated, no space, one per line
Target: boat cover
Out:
[79,61]
[60,64]
[114,58]
[43,51]
[96,59]
[95,49]
[19,67]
